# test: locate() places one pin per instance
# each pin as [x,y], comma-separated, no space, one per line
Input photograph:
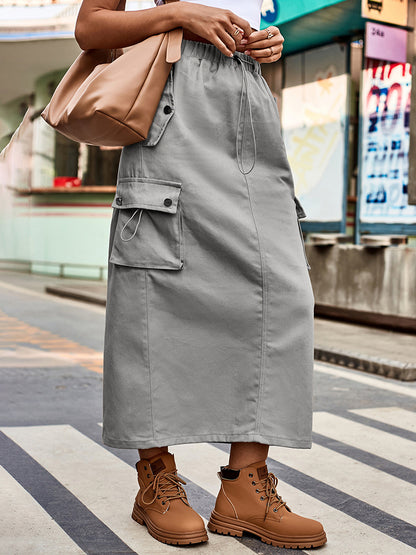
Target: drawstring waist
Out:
[246,146]
[240,146]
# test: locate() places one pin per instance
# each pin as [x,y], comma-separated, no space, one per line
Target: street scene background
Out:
[344,92]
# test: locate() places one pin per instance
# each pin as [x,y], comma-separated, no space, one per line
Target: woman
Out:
[209,326]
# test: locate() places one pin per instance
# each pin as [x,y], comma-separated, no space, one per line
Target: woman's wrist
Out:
[174,14]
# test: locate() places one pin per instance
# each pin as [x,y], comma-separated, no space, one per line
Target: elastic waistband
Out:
[211,52]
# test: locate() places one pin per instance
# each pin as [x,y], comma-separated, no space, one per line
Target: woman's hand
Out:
[265,46]
[222,28]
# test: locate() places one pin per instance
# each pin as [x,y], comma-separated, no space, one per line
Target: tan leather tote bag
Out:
[110,97]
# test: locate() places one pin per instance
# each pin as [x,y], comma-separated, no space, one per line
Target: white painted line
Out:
[395,416]
[346,535]
[79,304]
[388,493]
[105,484]
[383,444]
[27,357]
[25,527]
[360,377]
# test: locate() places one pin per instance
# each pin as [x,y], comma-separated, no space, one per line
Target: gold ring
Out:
[237,31]
[271,51]
[269,33]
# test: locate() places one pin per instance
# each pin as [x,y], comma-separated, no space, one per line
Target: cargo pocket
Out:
[148,232]
[300,213]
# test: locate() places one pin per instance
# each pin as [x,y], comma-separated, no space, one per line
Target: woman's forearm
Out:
[104,24]
[99,25]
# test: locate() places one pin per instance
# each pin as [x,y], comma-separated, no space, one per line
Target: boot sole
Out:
[140,516]
[229,526]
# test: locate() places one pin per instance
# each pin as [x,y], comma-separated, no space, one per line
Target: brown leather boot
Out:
[248,502]
[161,503]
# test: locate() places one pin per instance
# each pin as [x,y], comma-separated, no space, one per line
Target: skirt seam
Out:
[214,438]
[263,309]
[148,355]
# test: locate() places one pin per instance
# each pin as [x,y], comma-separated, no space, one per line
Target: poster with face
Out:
[385,115]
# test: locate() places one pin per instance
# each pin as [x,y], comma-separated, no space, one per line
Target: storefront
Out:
[345,108]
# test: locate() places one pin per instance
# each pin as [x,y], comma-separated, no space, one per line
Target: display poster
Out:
[276,12]
[314,124]
[389,11]
[384,148]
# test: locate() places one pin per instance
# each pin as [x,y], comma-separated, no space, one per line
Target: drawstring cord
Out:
[135,229]
[244,91]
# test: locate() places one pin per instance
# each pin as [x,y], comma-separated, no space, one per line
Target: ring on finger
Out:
[269,33]
[271,51]
[237,30]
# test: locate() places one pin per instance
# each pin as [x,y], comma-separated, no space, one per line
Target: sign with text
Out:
[385,43]
[385,115]
[389,11]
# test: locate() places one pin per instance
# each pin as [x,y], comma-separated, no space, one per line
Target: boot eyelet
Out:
[261,498]
[163,502]
[274,510]
[257,491]
[145,467]
[250,475]
[253,483]
[148,475]
[158,497]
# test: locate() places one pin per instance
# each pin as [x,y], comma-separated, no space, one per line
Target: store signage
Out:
[389,11]
[385,116]
[276,12]
[385,43]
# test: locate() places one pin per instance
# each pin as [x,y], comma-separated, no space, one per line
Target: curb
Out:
[403,371]
[76,295]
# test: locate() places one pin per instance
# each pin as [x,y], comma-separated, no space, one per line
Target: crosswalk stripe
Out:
[349,476]
[357,376]
[25,527]
[346,535]
[383,444]
[394,416]
[103,483]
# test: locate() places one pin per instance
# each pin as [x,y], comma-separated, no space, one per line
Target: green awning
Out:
[317,25]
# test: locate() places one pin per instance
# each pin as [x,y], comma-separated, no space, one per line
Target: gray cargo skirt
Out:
[209,320]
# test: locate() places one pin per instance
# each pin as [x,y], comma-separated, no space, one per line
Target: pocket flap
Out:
[143,192]
[300,212]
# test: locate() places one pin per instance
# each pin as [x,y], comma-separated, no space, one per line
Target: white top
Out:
[250,10]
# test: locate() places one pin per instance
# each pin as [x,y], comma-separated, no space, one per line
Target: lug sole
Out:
[140,516]
[225,525]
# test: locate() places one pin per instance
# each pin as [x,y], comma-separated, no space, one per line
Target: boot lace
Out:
[269,486]
[167,485]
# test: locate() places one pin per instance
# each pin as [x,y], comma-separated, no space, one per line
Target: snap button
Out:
[167,202]
[167,109]
[119,202]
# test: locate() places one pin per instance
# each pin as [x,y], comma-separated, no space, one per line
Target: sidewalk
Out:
[387,353]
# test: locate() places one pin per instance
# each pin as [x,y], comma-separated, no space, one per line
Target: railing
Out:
[28,265]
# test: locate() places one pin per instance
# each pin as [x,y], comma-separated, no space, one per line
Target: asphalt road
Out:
[62,491]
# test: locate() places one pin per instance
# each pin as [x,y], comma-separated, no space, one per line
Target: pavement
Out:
[369,349]
[64,492]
